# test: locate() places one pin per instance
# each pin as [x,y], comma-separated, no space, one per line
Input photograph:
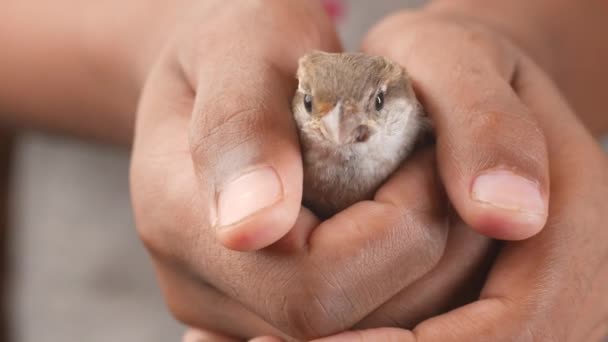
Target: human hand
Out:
[455,281]
[216,109]
[491,152]
[551,287]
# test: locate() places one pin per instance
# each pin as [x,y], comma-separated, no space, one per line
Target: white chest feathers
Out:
[337,176]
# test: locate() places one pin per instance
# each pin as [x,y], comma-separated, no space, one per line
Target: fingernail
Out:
[193,336]
[506,190]
[248,194]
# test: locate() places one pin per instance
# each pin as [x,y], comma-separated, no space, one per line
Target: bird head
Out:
[346,99]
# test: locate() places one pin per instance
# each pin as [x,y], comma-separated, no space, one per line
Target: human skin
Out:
[420,222]
[181,121]
[378,236]
[529,295]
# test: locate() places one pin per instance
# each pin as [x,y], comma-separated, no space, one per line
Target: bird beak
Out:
[330,123]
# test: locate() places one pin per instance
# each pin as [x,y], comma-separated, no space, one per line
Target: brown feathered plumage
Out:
[358,119]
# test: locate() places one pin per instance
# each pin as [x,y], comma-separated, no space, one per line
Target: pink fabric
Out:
[335,8]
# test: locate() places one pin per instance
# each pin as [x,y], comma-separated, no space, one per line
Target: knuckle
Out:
[153,236]
[221,130]
[161,243]
[151,240]
[160,203]
[372,42]
[181,309]
[466,39]
[504,137]
[192,302]
[162,235]
[178,307]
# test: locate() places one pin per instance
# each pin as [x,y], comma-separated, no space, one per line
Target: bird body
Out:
[358,119]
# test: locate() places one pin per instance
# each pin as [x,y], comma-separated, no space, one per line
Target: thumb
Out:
[245,150]
[492,155]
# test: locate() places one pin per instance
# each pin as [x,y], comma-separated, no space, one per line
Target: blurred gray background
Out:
[80,272]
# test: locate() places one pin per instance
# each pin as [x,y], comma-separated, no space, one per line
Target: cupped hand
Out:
[551,287]
[491,151]
[486,96]
[216,163]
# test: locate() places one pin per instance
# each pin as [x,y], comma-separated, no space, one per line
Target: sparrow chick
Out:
[358,119]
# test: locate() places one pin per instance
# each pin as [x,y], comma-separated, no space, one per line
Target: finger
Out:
[297,238]
[203,307]
[540,288]
[371,335]
[245,150]
[325,287]
[243,138]
[161,166]
[491,153]
[405,222]
[455,281]
[193,335]
[173,225]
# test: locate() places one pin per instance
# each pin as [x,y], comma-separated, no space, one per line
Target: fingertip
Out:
[501,225]
[297,238]
[255,209]
[259,230]
[506,205]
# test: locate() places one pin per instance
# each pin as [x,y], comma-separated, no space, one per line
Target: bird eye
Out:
[380,101]
[308,103]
